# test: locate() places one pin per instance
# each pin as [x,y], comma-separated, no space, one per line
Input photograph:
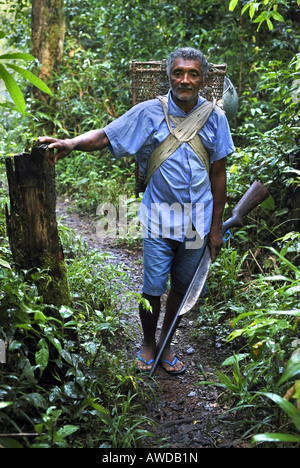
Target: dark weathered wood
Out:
[31,223]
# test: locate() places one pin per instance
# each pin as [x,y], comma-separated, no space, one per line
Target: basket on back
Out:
[149,80]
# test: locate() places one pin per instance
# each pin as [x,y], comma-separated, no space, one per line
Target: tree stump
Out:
[31,224]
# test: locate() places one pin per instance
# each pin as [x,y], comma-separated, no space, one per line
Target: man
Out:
[180,181]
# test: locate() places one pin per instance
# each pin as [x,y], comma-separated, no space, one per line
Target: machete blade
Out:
[252,198]
[197,283]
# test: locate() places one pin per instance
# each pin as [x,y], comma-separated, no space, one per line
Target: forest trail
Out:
[186,415]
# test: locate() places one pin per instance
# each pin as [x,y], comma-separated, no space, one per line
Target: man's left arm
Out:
[218,189]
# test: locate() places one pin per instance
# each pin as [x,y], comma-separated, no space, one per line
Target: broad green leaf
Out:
[39,316]
[4,264]
[262,17]
[67,430]
[268,437]
[286,406]
[65,312]
[13,89]
[39,428]
[245,8]
[67,357]
[292,369]
[268,204]
[56,343]
[231,360]
[8,442]
[42,355]
[278,278]
[35,80]
[251,12]
[17,55]
[24,326]
[233,4]
[37,400]
[277,16]
[292,290]
[4,404]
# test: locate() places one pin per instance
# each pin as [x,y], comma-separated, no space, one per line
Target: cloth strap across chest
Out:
[186,131]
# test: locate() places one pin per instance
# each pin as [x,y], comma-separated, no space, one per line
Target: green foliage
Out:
[264,317]
[252,306]
[93,178]
[270,11]
[61,382]
[11,85]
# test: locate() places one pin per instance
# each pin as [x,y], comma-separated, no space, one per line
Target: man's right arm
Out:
[90,141]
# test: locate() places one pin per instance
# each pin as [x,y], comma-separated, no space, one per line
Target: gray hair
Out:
[188,53]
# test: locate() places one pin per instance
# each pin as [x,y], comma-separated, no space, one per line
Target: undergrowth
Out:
[61,385]
[254,309]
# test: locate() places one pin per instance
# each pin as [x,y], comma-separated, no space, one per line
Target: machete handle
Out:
[255,195]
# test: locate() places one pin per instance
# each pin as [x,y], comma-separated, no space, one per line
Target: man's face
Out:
[186,82]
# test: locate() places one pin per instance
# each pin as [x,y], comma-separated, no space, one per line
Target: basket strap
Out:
[186,131]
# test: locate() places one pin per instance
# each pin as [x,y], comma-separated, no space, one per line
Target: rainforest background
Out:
[81,50]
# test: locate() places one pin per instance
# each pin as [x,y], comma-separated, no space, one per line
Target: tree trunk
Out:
[47,36]
[31,224]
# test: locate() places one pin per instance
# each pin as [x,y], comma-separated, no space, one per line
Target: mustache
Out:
[185,87]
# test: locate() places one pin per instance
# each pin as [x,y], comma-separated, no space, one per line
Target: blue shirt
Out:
[179,191]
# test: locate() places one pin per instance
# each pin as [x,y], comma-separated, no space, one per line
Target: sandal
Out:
[140,358]
[173,364]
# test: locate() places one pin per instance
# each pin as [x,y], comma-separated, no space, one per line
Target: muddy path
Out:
[187,415]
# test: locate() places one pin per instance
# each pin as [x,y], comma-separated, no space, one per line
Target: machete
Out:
[255,195]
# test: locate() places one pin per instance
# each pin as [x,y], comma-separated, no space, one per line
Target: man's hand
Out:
[215,241]
[64,148]
[89,141]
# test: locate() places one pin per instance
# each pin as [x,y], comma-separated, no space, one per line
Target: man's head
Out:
[187,70]
[188,53]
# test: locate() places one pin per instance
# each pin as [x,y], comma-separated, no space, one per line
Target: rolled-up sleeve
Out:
[128,133]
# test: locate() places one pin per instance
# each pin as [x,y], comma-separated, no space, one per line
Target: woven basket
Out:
[149,80]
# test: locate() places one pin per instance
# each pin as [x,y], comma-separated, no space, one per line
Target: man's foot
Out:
[171,364]
[145,359]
